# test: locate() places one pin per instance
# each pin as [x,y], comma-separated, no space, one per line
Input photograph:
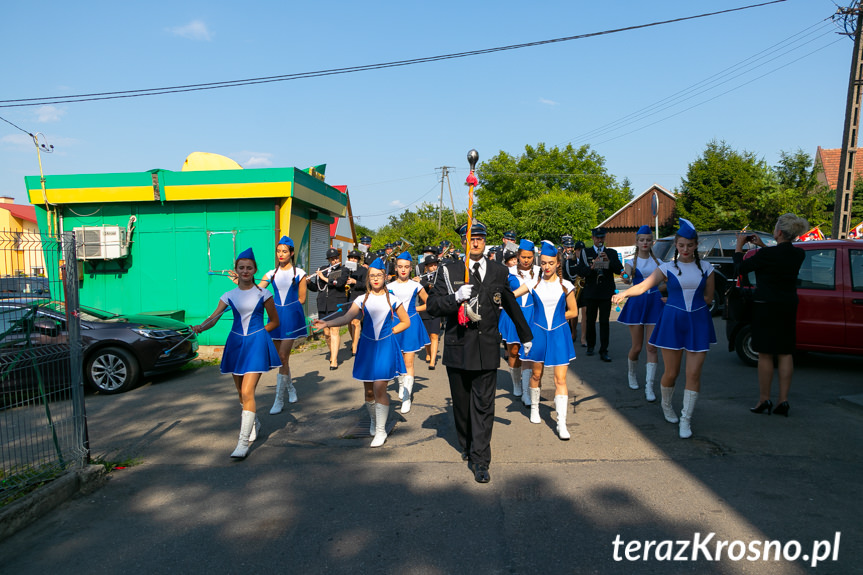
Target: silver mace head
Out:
[472,159]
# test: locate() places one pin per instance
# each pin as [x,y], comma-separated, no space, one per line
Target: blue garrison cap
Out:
[687,230]
[286,241]
[548,249]
[246,254]
[526,245]
[643,230]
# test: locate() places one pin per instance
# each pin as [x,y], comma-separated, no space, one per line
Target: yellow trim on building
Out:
[227,191]
[88,195]
[285,218]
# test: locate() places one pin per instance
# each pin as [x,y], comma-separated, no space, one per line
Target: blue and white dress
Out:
[415,337]
[286,287]
[552,338]
[249,348]
[378,355]
[685,322]
[646,308]
[505,324]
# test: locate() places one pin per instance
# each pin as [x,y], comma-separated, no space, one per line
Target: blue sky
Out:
[382,133]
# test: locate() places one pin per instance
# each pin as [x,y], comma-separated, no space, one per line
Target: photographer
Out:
[598,265]
[774,312]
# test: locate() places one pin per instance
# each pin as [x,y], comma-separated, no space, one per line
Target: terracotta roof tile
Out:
[830,161]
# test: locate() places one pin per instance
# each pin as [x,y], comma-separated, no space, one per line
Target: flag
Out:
[813,234]
[856,233]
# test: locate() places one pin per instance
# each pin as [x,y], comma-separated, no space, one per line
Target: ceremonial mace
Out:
[466,313]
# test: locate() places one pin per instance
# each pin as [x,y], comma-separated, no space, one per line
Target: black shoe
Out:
[480,473]
[604,357]
[768,405]
[333,367]
[465,455]
[590,351]
[584,345]
[431,368]
[782,409]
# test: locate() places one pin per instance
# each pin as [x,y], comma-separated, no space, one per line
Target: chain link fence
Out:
[43,429]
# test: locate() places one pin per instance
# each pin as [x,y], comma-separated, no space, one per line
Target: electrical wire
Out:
[351,69]
[400,208]
[704,85]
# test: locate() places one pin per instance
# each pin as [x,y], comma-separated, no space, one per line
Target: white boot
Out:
[534,405]
[292,391]
[370,407]
[633,378]
[515,373]
[667,410]
[279,403]
[648,382]
[525,386]
[381,413]
[408,390]
[689,399]
[561,404]
[401,393]
[255,428]
[248,422]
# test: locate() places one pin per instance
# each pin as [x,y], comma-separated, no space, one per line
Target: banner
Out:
[856,233]
[813,234]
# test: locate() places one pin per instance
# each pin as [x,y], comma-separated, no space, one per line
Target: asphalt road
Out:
[313,498]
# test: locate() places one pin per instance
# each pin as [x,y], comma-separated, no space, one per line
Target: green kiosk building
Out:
[163,241]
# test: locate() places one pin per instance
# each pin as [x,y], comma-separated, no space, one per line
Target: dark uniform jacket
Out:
[598,284]
[331,293]
[358,289]
[475,346]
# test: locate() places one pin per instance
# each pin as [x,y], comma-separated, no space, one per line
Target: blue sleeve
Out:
[513,282]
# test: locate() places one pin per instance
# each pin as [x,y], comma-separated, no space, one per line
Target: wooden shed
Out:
[623,223]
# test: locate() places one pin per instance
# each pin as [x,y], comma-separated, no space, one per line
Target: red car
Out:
[830,309]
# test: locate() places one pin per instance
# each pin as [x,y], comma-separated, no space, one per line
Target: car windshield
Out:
[86,313]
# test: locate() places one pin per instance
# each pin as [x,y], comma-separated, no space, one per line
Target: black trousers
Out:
[603,308]
[473,409]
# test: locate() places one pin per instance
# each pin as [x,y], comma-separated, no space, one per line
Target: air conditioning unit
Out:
[101,242]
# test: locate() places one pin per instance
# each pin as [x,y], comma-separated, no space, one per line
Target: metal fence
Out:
[42,420]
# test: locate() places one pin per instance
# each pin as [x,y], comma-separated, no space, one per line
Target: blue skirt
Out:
[413,338]
[506,327]
[551,347]
[378,359]
[252,353]
[681,329]
[642,310]
[292,322]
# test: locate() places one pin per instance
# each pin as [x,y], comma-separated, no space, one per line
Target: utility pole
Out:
[845,185]
[444,174]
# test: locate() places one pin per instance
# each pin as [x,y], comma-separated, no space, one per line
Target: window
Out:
[818,270]
[855,257]
[709,247]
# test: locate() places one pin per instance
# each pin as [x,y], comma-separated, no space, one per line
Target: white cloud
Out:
[256,159]
[397,204]
[18,140]
[194,30]
[547,102]
[45,114]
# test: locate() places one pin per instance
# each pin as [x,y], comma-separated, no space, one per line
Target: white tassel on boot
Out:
[515,373]
[408,390]
[279,403]
[689,399]
[561,404]
[650,378]
[525,386]
[248,421]
[534,405]
[370,407]
[381,414]
[292,391]
[667,410]
[633,378]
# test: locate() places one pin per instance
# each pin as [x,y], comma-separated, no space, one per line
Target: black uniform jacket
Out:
[598,284]
[475,346]
[331,293]
[358,289]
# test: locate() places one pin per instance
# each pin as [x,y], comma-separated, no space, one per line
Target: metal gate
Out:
[43,429]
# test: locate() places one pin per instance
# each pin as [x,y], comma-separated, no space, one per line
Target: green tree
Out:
[419,228]
[723,188]
[549,216]
[507,181]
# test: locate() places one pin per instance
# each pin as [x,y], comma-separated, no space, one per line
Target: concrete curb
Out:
[854,401]
[41,501]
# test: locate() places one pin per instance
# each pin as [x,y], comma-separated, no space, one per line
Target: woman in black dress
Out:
[774,312]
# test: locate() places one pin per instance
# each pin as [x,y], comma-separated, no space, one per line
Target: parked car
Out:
[24,287]
[717,248]
[117,349]
[830,308]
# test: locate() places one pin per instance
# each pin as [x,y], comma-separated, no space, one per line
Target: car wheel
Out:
[112,370]
[743,346]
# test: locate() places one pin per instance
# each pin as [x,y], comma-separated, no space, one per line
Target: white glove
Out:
[526,347]
[463,293]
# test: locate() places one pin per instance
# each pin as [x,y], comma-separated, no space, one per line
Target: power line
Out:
[704,85]
[347,70]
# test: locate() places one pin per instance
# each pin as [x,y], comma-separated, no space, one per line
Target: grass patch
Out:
[20,482]
[112,465]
